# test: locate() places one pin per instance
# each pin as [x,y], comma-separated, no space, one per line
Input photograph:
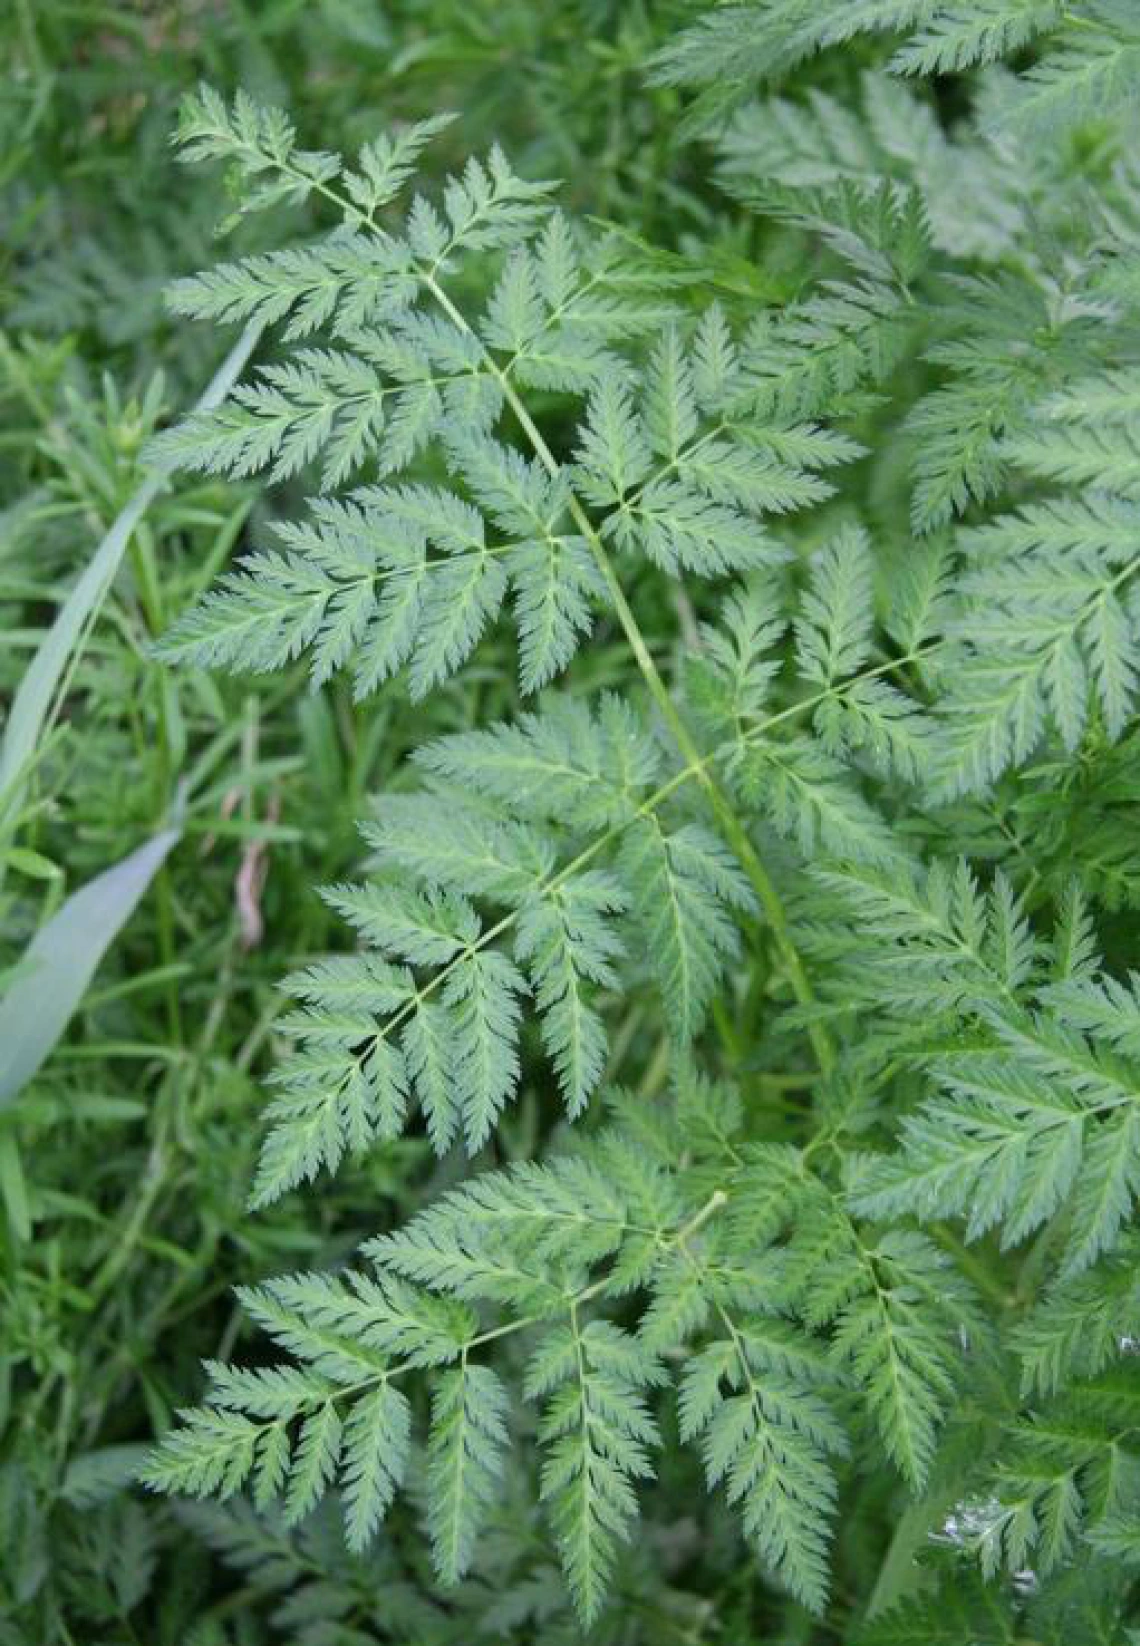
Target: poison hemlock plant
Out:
[849,825]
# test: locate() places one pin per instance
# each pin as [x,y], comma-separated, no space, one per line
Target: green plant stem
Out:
[150,599]
[648,806]
[734,831]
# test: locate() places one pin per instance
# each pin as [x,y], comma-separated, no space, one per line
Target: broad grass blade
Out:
[62,958]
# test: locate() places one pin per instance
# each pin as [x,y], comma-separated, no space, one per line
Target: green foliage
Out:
[712,1057]
[543,859]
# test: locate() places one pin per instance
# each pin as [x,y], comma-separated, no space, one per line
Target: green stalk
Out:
[734,831]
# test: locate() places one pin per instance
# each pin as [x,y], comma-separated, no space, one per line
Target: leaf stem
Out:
[734,831]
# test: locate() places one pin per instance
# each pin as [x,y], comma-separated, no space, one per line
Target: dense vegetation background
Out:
[920,221]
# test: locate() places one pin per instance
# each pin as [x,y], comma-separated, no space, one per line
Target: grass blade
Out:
[33,700]
[62,958]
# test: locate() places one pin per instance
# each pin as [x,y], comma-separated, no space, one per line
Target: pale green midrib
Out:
[597,1288]
[647,808]
[734,831]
